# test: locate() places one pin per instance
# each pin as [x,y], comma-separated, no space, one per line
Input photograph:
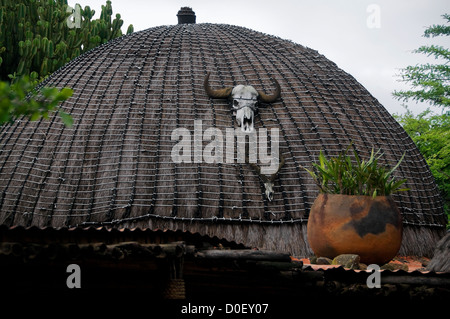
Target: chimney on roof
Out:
[186,15]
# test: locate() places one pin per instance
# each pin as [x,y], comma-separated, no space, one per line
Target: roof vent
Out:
[186,15]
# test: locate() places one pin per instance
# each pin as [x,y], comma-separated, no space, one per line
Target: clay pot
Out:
[362,225]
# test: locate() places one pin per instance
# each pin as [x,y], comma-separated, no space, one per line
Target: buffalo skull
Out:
[244,99]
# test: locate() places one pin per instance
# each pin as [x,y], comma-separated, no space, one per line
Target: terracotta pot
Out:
[362,225]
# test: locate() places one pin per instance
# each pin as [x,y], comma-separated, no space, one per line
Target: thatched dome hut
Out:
[114,167]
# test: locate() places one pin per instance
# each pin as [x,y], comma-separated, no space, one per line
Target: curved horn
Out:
[270,98]
[218,94]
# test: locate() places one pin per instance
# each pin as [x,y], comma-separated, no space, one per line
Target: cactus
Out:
[42,36]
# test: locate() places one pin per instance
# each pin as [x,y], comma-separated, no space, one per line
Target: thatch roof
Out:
[114,167]
[441,258]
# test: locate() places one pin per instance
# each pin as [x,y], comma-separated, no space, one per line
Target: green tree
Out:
[431,131]
[42,36]
[19,99]
[36,38]
[430,82]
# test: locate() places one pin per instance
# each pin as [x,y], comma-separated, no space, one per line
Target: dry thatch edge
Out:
[441,259]
[292,237]
[420,241]
[193,219]
[283,238]
[279,235]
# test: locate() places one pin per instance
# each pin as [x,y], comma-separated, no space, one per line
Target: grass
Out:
[351,175]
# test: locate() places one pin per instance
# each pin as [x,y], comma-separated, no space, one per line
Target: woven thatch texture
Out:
[441,259]
[114,166]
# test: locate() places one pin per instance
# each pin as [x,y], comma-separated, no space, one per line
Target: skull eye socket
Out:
[235,103]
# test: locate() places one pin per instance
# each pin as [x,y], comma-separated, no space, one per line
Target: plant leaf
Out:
[66,118]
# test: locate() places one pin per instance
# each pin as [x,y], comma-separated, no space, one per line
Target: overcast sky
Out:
[369,39]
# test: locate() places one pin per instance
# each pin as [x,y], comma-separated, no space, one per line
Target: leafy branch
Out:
[430,82]
[22,99]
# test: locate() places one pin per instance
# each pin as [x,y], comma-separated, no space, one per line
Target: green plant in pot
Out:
[354,212]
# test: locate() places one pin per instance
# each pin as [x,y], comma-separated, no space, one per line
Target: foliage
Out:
[344,175]
[41,36]
[19,99]
[430,82]
[37,38]
[431,133]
